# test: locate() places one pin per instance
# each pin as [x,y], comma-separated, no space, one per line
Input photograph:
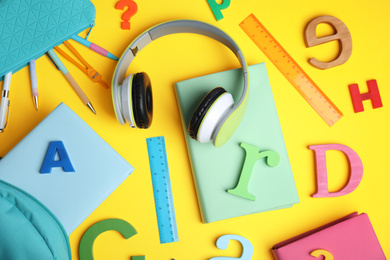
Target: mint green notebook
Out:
[215,170]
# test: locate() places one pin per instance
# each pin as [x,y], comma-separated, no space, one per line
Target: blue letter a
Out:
[64,162]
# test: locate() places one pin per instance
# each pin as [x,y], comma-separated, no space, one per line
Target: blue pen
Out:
[93,47]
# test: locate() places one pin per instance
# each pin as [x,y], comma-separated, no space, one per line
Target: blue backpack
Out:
[28,230]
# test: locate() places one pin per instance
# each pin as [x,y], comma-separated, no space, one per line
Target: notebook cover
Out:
[29,28]
[71,196]
[216,170]
[351,237]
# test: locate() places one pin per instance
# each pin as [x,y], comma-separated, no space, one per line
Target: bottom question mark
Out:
[86,243]
[130,12]
[223,243]
[321,252]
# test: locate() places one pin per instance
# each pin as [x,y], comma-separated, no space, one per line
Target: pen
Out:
[71,80]
[52,62]
[34,83]
[4,105]
[93,47]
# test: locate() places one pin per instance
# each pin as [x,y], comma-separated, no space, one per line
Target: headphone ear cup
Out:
[125,100]
[209,114]
[142,100]
[119,98]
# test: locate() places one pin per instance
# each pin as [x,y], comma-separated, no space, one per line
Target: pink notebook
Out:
[349,238]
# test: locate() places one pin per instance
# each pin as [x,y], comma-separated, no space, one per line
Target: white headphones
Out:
[216,117]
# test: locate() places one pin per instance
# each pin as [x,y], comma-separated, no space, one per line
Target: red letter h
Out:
[373,94]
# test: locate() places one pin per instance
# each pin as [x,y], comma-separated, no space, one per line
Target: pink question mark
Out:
[131,11]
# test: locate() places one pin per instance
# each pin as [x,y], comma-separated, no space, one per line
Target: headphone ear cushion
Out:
[142,100]
[202,109]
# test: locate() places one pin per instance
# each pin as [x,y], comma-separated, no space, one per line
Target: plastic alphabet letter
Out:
[373,94]
[130,12]
[50,162]
[251,157]
[356,170]
[321,252]
[216,8]
[138,257]
[247,247]
[86,243]
[341,33]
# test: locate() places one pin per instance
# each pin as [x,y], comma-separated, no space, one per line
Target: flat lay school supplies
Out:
[217,170]
[71,196]
[250,174]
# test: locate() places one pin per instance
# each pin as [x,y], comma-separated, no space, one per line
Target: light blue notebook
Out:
[216,170]
[71,196]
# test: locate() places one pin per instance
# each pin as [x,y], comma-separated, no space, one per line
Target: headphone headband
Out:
[173,27]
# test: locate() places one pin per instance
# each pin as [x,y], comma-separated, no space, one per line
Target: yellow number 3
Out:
[321,252]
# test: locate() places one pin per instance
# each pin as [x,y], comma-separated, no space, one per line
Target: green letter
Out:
[251,157]
[216,8]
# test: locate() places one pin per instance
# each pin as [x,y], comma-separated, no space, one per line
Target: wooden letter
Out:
[223,243]
[341,34]
[356,170]
[321,252]
[86,242]
[372,94]
[252,155]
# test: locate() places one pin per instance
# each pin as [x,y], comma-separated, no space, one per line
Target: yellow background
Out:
[179,57]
